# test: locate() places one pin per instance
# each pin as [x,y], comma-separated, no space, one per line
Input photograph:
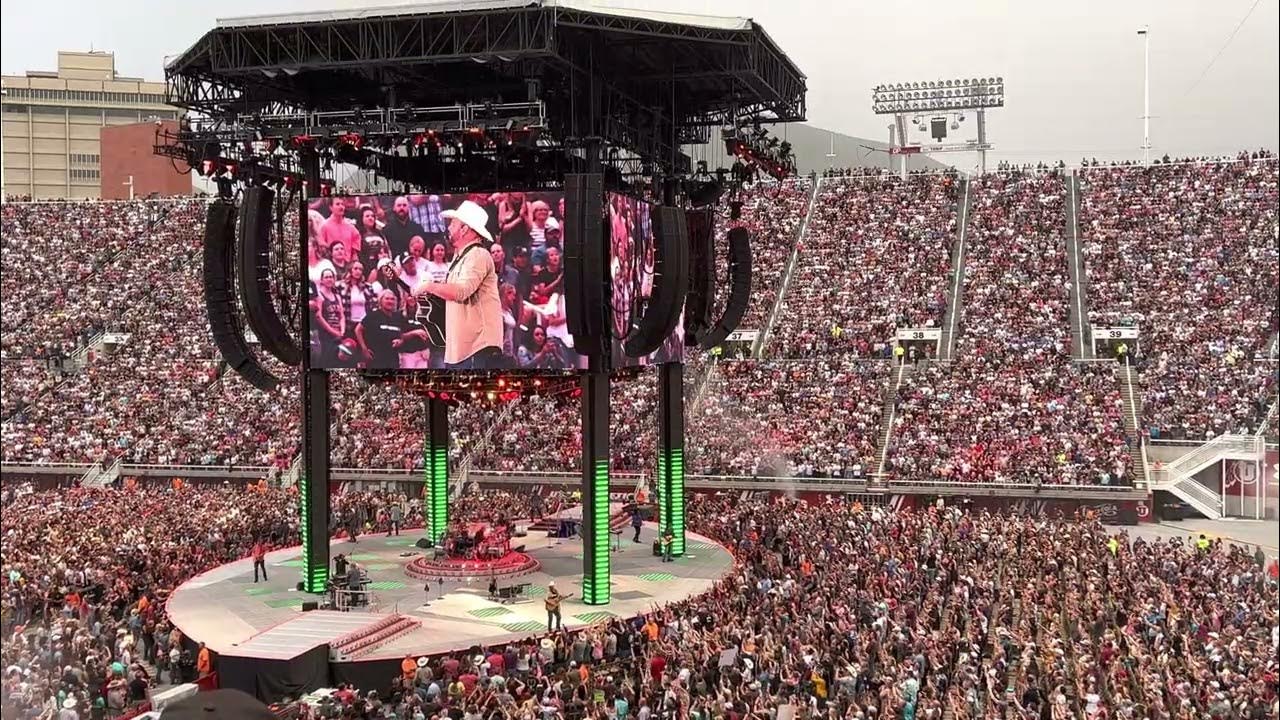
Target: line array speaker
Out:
[255,276]
[739,288]
[702,274]
[585,275]
[219,297]
[670,282]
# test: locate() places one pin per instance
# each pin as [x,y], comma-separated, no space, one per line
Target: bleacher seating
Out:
[1188,252]
[874,258]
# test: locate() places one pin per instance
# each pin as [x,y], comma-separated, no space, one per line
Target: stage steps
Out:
[374,635]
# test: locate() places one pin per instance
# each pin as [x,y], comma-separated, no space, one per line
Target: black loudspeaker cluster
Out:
[700,226]
[255,276]
[219,297]
[670,282]
[586,278]
[739,289]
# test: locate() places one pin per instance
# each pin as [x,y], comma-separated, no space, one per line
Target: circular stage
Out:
[232,614]
[513,564]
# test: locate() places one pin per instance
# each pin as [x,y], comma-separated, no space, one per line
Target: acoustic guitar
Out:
[431,308]
[431,317]
[553,601]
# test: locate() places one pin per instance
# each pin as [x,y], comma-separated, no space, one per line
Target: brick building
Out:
[130,168]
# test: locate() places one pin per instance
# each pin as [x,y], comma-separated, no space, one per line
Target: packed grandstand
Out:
[1005,403]
[940,611]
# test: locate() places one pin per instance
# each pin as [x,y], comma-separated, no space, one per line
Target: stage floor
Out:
[224,608]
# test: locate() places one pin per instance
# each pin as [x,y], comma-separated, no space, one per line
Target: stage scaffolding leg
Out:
[595,488]
[313,481]
[671,454]
[435,491]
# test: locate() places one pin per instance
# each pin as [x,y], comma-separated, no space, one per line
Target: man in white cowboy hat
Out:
[473,311]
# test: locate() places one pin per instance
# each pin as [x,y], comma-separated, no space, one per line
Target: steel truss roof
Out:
[643,83]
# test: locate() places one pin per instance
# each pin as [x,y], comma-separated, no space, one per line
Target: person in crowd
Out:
[437,267]
[381,334]
[373,244]
[337,229]
[414,266]
[329,317]
[400,228]
[357,297]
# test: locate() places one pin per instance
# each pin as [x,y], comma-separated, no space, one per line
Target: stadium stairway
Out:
[758,350]
[955,288]
[1081,331]
[890,408]
[1130,391]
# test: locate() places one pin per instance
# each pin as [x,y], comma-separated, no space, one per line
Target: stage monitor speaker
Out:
[424,543]
[670,282]
[585,272]
[309,605]
[256,215]
[219,297]
[702,274]
[739,290]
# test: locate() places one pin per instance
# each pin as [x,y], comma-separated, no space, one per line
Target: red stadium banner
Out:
[905,150]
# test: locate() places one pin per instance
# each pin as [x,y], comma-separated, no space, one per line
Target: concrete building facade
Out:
[52,124]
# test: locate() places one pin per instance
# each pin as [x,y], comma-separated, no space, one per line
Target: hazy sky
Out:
[1072,70]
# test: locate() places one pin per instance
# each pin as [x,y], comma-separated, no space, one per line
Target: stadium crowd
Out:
[772,213]
[1011,407]
[1187,251]
[874,258]
[782,418]
[158,397]
[85,576]
[977,420]
[930,613]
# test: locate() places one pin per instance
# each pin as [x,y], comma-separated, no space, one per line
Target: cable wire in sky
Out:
[1224,47]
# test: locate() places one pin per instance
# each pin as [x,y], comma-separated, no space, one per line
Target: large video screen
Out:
[629,224]
[461,281]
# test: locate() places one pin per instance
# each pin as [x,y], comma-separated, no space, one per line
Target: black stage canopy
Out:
[644,81]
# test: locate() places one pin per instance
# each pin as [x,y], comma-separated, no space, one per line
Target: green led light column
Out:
[313,476]
[435,495]
[671,454]
[595,488]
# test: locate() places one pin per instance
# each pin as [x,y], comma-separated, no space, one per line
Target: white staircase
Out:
[90,478]
[1179,476]
[111,473]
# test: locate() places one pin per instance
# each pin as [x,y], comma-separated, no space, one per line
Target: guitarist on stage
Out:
[473,310]
[554,598]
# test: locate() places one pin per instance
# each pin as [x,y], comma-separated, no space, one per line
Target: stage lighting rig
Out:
[755,148]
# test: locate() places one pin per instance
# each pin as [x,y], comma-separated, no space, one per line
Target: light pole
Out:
[1144,32]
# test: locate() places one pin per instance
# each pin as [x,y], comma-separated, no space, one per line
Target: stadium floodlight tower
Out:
[930,105]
